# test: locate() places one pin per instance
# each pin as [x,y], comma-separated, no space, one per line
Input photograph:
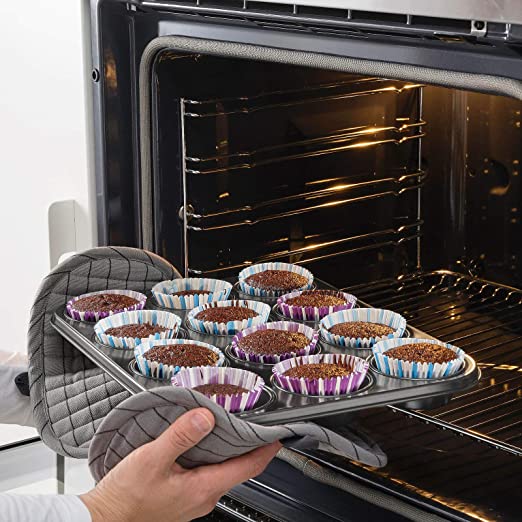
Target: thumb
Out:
[183,434]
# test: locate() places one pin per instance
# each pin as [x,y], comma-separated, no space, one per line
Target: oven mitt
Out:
[70,395]
[143,417]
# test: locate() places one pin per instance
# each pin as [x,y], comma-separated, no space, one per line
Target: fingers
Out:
[222,477]
[185,433]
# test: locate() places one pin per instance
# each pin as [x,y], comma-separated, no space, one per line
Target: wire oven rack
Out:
[211,148]
[485,320]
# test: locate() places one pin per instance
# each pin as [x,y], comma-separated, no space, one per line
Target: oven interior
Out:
[406,195]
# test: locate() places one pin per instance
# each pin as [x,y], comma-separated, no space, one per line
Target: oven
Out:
[378,144]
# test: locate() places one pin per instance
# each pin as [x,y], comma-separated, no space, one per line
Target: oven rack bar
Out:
[335,190]
[325,145]
[376,240]
[483,318]
[303,210]
[248,104]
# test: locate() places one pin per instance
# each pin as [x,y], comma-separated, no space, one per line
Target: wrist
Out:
[101,510]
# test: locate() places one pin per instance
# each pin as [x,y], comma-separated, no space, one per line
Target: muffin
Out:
[233,389]
[313,305]
[273,342]
[97,305]
[227,317]
[361,327]
[418,358]
[274,279]
[129,329]
[187,293]
[161,359]
[324,374]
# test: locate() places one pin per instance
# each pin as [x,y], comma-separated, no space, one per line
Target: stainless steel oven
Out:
[377,143]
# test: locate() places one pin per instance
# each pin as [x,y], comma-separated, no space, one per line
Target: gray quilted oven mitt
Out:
[143,417]
[78,408]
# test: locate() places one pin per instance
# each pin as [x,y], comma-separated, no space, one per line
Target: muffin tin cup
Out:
[263,369]
[192,377]
[252,291]
[215,290]
[156,317]
[313,313]
[285,326]
[322,387]
[415,370]
[232,327]
[370,315]
[94,315]
[159,370]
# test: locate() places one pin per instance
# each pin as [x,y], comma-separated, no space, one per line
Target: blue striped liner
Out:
[165,371]
[212,290]
[370,315]
[414,370]
[156,317]
[261,267]
[232,327]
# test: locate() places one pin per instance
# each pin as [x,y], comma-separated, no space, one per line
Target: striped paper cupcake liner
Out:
[159,370]
[415,370]
[232,327]
[322,387]
[192,377]
[96,315]
[166,319]
[313,313]
[288,326]
[259,292]
[209,290]
[369,315]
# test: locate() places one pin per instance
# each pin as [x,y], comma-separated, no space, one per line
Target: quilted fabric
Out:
[70,396]
[143,417]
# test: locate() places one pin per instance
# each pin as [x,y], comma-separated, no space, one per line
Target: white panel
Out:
[43,140]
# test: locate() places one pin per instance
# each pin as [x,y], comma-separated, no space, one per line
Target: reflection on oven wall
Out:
[472,153]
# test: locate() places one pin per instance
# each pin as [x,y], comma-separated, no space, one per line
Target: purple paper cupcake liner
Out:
[313,313]
[192,377]
[95,315]
[288,326]
[322,387]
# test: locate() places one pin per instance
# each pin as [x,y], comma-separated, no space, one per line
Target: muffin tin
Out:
[275,404]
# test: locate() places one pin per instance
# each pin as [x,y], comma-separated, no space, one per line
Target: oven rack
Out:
[339,141]
[312,252]
[485,320]
[249,104]
[393,186]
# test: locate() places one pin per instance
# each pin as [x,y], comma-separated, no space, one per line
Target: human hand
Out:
[150,485]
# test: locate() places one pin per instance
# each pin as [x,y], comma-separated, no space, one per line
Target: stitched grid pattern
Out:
[69,394]
[143,417]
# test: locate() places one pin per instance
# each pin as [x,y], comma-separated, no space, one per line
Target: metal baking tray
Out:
[277,405]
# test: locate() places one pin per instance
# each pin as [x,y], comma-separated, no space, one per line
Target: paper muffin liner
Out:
[211,290]
[288,326]
[95,315]
[192,377]
[313,313]
[259,292]
[329,386]
[369,315]
[232,327]
[415,370]
[159,370]
[156,317]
